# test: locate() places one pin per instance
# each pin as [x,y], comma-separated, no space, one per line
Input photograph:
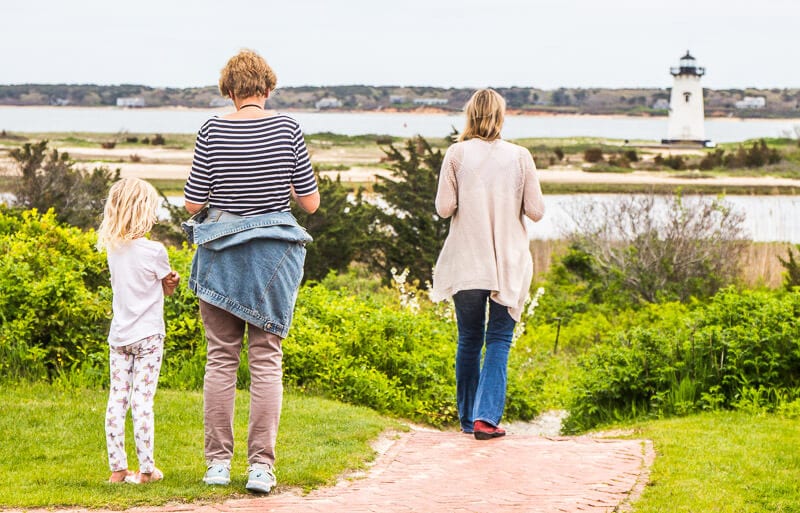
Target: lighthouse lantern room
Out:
[686,117]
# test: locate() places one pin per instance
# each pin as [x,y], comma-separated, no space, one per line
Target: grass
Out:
[725,462]
[58,456]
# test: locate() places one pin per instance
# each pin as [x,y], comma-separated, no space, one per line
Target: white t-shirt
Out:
[137,268]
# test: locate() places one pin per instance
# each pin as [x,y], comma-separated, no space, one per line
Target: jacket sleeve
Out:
[447,192]
[532,199]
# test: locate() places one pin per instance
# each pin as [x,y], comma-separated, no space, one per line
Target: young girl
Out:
[140,276]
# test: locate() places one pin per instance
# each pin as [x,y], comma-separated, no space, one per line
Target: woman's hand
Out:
[193,208]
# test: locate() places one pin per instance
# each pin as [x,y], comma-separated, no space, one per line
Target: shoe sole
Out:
[258,487]
[480,435]
[218,481]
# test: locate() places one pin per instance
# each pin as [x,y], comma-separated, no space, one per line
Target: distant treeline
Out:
[722,102]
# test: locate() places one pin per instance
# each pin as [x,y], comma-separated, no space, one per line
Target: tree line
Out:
[641,101]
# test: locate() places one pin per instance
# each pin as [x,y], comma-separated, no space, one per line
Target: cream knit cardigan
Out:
[487,187]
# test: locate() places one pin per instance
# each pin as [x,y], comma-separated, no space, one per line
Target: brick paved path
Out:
[433,472]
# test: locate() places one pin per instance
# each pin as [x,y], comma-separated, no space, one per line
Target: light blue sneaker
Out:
[217,474]
[260,479]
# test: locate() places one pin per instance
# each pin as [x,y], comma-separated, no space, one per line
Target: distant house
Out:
[220,102]
[430,101]
[396,98]
[131,101]
[752,102]
[661,104]
[328,103]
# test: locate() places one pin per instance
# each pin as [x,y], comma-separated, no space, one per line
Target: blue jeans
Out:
[481,390]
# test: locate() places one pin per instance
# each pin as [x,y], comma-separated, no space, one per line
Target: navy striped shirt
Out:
[248,166]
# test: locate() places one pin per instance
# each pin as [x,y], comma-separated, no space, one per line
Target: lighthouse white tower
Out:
[686,115]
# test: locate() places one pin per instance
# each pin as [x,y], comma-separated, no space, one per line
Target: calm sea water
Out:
[187,121]
[766,218]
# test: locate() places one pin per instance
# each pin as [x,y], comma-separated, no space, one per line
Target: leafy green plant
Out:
[54,297]
[368,351]
[740,350]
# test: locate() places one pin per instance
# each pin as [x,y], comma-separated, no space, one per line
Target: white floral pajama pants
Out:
[134,377]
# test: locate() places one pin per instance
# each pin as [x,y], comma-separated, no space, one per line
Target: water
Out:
[766,218]
[188,121]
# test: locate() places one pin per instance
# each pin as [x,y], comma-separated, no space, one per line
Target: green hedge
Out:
[361,347]
[739,350]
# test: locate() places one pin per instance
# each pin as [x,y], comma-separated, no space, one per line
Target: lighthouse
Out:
[686,115]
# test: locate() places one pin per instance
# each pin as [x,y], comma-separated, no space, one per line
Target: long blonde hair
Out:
[130,212]
[485,113]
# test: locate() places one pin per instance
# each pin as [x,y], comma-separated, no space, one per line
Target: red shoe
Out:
[485,431]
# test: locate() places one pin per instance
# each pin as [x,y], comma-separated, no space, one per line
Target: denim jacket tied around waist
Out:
[248,266]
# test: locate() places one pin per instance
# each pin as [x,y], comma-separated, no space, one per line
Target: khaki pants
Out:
[225,333]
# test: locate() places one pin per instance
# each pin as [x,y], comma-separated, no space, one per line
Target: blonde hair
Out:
[246,74]
[485,113]
[130,212]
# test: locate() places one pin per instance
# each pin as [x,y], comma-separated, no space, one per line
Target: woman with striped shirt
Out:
[247,166]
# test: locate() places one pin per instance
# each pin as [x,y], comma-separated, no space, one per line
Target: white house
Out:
[661,104]
[132,101]
[220,102]
[752,102]
[328,103]
[430,101]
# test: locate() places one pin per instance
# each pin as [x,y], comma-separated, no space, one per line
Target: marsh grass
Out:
[53,452]
[723,462]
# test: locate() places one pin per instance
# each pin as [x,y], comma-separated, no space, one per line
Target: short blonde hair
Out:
[246,74]
[485,113]
[130,212]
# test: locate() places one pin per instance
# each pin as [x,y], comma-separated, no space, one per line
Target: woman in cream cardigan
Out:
[487,185]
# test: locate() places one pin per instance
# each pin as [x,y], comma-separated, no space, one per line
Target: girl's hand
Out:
[170,282]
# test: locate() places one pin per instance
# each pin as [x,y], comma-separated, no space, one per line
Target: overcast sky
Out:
[445,43]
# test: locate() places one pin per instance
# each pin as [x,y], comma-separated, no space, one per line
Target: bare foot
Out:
[144,477]
[118,476]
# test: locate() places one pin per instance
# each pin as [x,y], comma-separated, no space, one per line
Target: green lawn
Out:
[723,463]
[53,451]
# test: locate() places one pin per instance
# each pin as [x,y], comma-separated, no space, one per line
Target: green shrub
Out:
[366,351]
[593,155]
[676,162]
[55,307]
[351,339]
[741,350]
[54,297]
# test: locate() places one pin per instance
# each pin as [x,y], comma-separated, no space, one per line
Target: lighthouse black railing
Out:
[683,70]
